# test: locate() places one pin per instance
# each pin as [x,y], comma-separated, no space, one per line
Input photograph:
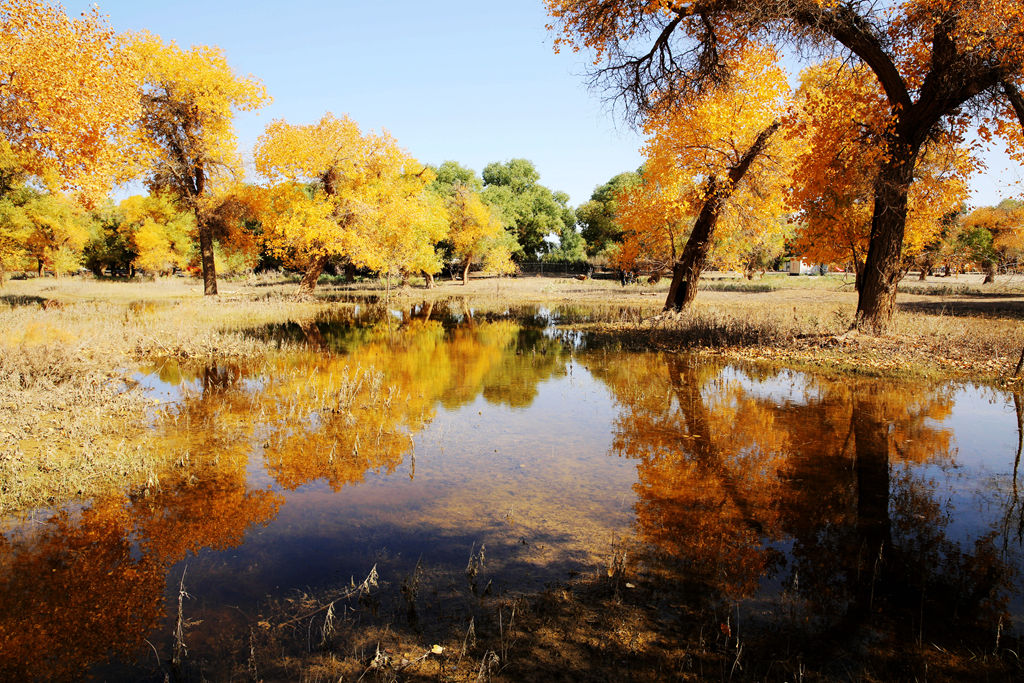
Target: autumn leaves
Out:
[84,109]
[929,71]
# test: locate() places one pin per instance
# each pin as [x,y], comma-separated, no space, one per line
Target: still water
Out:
[469,457]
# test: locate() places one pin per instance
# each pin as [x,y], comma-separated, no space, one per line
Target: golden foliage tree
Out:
[189,98]
[157,231]
[842,129]
[332,185]
[939,64]
[473,227]
[716,158]
[68,96]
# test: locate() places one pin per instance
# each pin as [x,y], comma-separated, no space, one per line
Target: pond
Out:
[383,478]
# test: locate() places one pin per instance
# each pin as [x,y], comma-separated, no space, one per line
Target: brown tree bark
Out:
[990,271]
[465,272]
[311,276]
[428,279]
[686,271]
[883,266]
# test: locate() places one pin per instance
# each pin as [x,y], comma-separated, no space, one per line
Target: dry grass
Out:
[73,425]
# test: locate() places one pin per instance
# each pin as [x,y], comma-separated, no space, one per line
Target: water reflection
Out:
[825,491]
[82,586]
[830,507]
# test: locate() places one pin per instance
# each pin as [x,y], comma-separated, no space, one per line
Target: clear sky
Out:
[471,81]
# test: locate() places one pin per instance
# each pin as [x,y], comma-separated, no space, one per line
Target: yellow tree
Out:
[940,64]
[158,232]
[57,231]
[655,219]
[326,190]
[842,127]
[68,96]
[409,221]
[716,156]
[189,98]
[993,236]
[473,227]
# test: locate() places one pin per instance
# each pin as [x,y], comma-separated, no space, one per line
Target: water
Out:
[806,506]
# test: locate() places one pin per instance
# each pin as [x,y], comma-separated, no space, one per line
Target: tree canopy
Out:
[68,96]
[939,65]
[533,210]
[189,98]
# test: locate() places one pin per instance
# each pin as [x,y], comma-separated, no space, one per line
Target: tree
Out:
[68,96]
[938,63]
[532,210]
[189,98]
[473,227]
[157,232]
[331,180]
[716,156]
[452,174]
[57,231]
[994,236]
[408,223]
[571,246]
[842,127]
[598,217]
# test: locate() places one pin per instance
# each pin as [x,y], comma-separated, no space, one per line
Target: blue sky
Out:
[471,81]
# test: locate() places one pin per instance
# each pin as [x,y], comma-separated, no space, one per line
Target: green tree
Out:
[571,246]
[532,210]
[452,174]
[598,217]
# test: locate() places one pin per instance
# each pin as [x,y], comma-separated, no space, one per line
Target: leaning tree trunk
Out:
[311,276]
[883,265]
[465,272]
[686,271]
[428,280]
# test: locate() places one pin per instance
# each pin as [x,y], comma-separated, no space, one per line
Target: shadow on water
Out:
[642,516]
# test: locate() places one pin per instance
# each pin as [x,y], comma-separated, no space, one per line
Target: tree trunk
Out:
[465,273]
[428,280]
[350,273]
[686,271]
[206,255]
[883,266]
[990,271]
[39,267]
[311,276]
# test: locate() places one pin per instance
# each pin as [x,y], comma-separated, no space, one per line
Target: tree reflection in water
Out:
[803,502]
[745,484]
